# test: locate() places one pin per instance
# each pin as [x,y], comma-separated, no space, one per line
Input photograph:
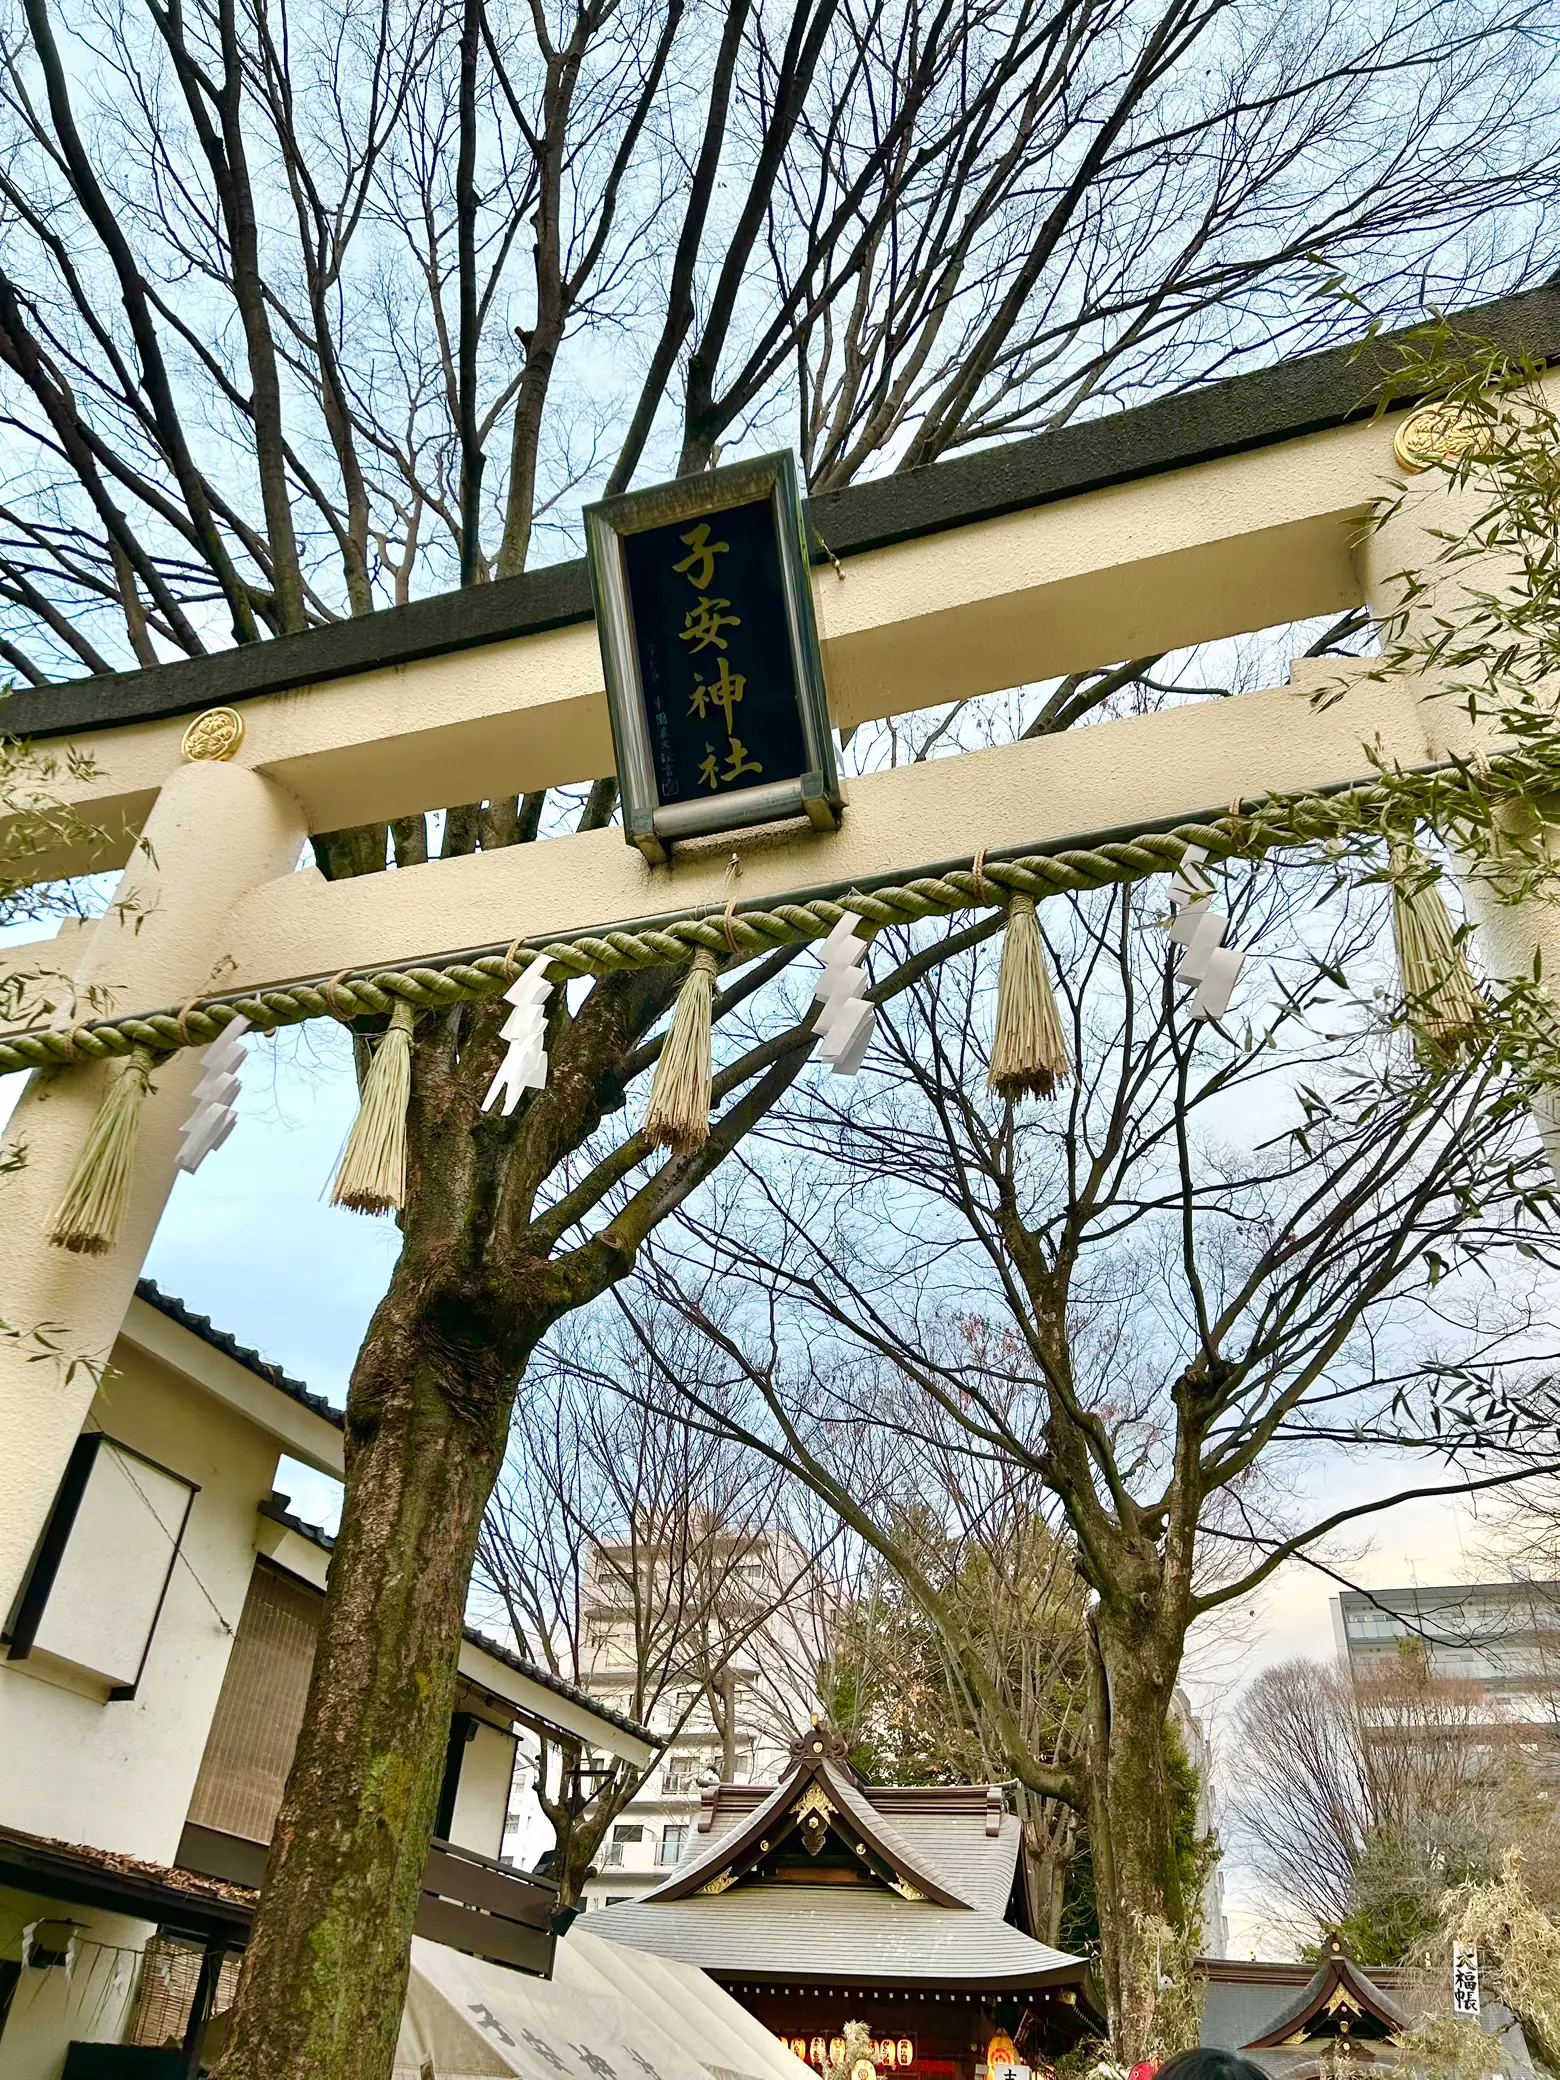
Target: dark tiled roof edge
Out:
[201,1325]
[278,1512]
[118,1863]
[1306,394]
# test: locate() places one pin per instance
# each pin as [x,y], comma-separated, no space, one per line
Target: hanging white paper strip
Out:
[847,1021]
[1199,929]
[210,1124]
[524,1066]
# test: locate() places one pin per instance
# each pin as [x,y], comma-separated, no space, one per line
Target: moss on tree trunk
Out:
[424,1443]
[1131,1816]
[481,1277]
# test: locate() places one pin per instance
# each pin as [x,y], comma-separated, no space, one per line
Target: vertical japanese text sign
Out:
[1465,1981]
[714,680]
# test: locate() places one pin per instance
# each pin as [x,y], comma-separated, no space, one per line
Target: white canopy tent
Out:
[607,2013]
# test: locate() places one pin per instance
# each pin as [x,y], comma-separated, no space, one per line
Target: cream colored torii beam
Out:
[1246,541]
[1131,773]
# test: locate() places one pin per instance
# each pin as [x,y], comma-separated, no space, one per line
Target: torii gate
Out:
[1240,507]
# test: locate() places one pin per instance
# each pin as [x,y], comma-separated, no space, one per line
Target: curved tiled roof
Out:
[837,1933]
[985,1863]
[201,1325]
[968,1862]
[1316,2000]
[963,1837]
[775,1816]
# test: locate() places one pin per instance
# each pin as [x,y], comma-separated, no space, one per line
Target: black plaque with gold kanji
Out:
[714,677]
[718,684]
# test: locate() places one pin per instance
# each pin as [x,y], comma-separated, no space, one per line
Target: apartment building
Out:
[1504,1636]
[729,1720]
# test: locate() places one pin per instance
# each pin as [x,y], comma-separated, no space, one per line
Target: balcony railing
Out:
[469,1901]
[472,1903]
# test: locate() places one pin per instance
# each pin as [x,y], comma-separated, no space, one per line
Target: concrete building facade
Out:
[1504,1636]
[766,1597]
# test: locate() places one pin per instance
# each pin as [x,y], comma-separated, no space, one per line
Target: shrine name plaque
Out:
[714,678]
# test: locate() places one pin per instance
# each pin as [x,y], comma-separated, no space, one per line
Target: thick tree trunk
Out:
[1131,1819]
[426,1428]
[473,1291]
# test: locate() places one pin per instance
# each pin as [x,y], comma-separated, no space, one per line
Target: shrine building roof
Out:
[822,1879]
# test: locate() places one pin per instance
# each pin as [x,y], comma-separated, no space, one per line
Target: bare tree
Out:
[1225,1254]
[647,1561]
[1010,1586]
[306,306]
[303,307]
[1361,1800]
[1006,1577]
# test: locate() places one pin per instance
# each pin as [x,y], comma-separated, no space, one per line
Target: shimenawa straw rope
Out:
[372,1176]
[1432,795]
[678,1116]
[92,1208]
[1444,1006]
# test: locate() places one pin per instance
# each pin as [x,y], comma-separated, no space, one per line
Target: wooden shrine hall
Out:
[823,1900]
[1292,2020]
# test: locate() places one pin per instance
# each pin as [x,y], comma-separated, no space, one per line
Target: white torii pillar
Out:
[215,832]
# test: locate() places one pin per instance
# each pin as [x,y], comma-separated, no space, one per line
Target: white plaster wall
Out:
[482,1799]
[53,2008]
[119,1775]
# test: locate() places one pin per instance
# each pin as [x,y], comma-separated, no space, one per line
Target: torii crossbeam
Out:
[1237,508]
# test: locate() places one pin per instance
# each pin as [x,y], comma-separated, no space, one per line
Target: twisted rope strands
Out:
[1441,795]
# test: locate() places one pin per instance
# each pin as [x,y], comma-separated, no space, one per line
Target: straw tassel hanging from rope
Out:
[1445,1009]
[680,1096]
[372,1174]
[92,1208]
[1028,1049]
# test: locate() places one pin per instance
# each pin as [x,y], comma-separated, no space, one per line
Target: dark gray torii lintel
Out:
[1308,394]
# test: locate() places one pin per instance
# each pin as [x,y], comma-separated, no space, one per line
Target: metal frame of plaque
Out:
[649,821]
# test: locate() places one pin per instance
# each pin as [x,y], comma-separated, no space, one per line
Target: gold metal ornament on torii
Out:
[1438,435]
[216,733]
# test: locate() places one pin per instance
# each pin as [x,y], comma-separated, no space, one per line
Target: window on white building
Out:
[625,1833]
[672,1839]
[95,1589]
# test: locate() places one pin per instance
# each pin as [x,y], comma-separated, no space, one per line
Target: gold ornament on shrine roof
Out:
[1437,434]
[813,1800]
[214,735]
